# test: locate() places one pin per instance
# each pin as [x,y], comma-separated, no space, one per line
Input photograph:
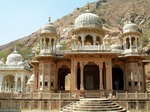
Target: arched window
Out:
[98,40]
[79,40]
[52,42]
[127,43]
[88,40]
[133,41]
[47,42]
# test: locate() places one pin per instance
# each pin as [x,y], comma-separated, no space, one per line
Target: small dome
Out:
[21,63]
[88,19]
[49,28]
[14,58]
[130,27]
[59,47]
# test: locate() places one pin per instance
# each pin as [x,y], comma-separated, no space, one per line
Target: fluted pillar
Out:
[75,74]
[108,75]
[101,76]
[130,42]
[81,77]
[44,43]
[16,83]
[94,40]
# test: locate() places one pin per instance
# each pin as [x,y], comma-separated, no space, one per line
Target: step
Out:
[94,105]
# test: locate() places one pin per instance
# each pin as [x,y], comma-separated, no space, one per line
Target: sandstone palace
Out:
[86,66]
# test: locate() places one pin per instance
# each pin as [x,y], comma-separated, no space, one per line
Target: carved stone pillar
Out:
[22,83]
[94,40]
[75,74]
[130,42]
[81,77]
[1,82]
[16,83]
[108,75]
[44,43]
[101,76]
[72,76]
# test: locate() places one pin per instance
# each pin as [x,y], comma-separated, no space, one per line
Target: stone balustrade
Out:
[75,95]
[92,47]
[135,95]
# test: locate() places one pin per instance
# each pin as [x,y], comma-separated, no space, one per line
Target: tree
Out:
[145,38]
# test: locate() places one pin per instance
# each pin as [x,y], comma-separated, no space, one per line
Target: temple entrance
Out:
[91,77]
[118,78]
[62,73]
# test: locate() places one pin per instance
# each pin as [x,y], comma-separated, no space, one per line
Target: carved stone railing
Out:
[76,95]
[91,47]
[53,52]
[134,95]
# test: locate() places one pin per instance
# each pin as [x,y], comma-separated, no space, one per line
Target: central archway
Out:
[63,71]
[91,76]
[118,78]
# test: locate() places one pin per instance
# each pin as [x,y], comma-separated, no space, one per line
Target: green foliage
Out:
[3,55]
[24,51]
[145,38]
[63,43]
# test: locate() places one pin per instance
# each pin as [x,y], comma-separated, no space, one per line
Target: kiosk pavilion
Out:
[14,73]
[89,63]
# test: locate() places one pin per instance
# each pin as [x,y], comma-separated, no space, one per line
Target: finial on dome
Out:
[15,48]
[49,19]
[88,6]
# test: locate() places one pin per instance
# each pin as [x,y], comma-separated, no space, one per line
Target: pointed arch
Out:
[88,40]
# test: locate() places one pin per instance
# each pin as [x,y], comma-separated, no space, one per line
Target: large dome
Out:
[130,27]
[49,28]
[14,58]
[88,19]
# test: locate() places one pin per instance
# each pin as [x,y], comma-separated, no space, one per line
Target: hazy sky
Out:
[19,18]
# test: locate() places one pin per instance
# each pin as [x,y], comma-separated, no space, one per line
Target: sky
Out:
[19,18]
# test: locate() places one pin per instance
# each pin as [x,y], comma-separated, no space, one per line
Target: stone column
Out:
[75,74]
[101,76]
[22,83]
[42,81]
[55,45]
[5,86]
[82,39]
[94,40]
[124,44]
[108,75]
[16,83]
[44,43]
[143,87]
[72,75]
[50,45]
[1,82]
[136,42]
[36,76]
[130,43]
[81,77]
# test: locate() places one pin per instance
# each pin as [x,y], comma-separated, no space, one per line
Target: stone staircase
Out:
[93,105]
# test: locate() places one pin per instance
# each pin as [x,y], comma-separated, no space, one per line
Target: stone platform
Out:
[93,105]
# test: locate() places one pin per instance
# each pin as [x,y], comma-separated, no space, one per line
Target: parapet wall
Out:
[50,101]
